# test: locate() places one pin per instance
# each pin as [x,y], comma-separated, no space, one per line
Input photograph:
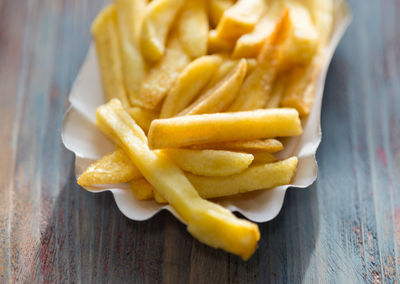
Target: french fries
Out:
[189,83]
[213,103]
[113,168]
[220,96]
[105,34]
[195,129]
[163,75]
[193,28]
[210,162]
[208,222]
[157,21]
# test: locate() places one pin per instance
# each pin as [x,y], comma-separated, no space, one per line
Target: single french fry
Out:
[257,177]
[263,157]
[157,22]
[226,66]
[210,162]
[300,91]
[193,28]
[133,64]
[142,189]
[223,127]
[112,168]
[277,91]
[217,44]
[208,222]
[163,75]
[250,44]
[216,9]
[240,18]
[142,117]
[269,145]
[220,96]
[256,88]
[189,83]
[105,34]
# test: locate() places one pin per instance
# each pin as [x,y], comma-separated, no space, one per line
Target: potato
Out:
[216,9]
[256,177]
[164,74]
[105,34]
[112,168]
[240,18]
[220,96]
[277,91]
[142,117]
[270,145]
[133,64]
[193,28]
[157,22]
[142,189]
[217,44]
[223,127]
[322,15]
[256,88]
[210,162]
[208,222]
[263,157]
[189,83]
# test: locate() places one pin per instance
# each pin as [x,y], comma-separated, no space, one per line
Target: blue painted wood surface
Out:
[345,228]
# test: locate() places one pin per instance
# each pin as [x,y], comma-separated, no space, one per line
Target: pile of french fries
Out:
[199,93]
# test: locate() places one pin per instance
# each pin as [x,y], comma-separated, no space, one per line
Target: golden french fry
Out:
[157,22]
[250,44]
[322,14]
[142,189]
[193,28]
[263,157]
[105,34]
[226,66]
[133,65]
[163,75]
[112,168]
[300,90]
[257,177]
[220,96]
[240,18]
[277,91]
[216,44]
[269,145]
[210,162]
[223,127]
[208,222]
[189,83]
[142,117]
[216,9]
[256,88]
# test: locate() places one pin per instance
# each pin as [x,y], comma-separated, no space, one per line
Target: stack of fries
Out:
[199,93]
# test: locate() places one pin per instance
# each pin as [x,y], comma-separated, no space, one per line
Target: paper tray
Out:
[81,136]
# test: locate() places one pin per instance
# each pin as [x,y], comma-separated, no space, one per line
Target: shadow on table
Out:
[86,239]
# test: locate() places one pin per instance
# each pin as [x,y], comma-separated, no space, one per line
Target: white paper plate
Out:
[81,136]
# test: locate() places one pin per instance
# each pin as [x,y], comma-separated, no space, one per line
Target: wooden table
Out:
[345,228]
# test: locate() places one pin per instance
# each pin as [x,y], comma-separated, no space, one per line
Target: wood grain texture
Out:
[345,228]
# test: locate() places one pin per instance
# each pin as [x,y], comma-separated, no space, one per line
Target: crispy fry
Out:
[226,66]
[220,96]
[240,18]
[193,28]
[105,34]
[142,189]
[208,222]
[256,177]
[163,75]
[263,157]
[112,168]
[249,45]
[269,145]
[133,65]
[216,9]
[142,117]
[210,162]
[247,125]
[189,83]
[277,91]
[256,88]
[158,19]
[217,44]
